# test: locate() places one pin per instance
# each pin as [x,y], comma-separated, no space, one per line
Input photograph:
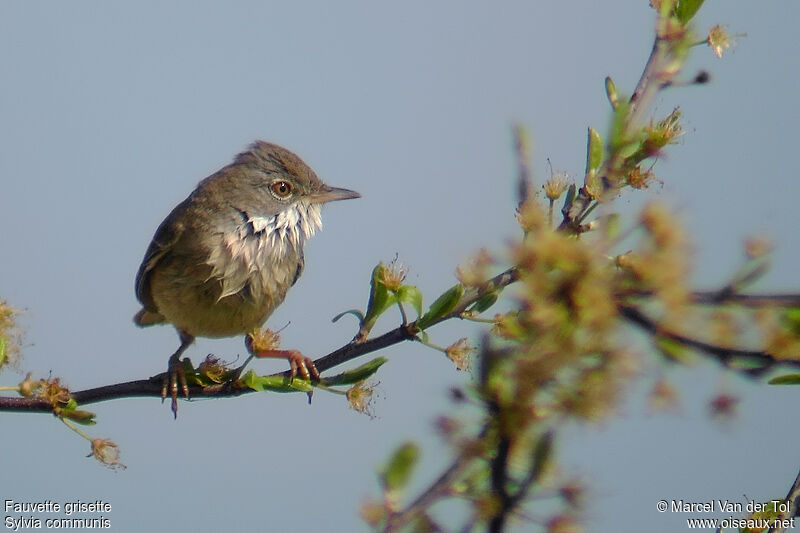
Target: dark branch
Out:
[747,300]
[499,481]
[152,387]
[533,475]
[725,355]
[727,295]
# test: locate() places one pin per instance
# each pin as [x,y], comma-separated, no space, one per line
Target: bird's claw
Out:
[305,365]
[297,361]
[175,378]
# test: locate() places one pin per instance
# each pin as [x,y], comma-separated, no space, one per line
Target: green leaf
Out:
[791,319]
[2,351]
[276,383]
[443,305]
[485,302]
[787,379]
[570,196]
[619,121]
[350,377]
[744,363]
[355,312]
[412,296]
[687,9]
[672,350]
[85,418]
[380,299]
[611,92]
[594,151]
[71,405]
[401,465]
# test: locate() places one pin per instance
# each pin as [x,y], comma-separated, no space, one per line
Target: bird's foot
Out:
[298,363]
[175,378]
[264,344]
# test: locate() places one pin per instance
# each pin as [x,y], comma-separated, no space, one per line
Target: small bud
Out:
[457,394]
[107,452]
[475,272]
[393,275]
[564,524]
[556,185]
[723,406]
[639,179]
[447,426]
[662,133]
[719,40]
[459,352]
[628,260]
[373,513]
[29,388]
[573,493]
[756,247]
[663,396]
[262,340]
[531,216]
[702,77]
[213,369]
[10,335]
[54,392]
[360,397]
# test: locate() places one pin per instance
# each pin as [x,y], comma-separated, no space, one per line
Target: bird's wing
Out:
[167,235]
[301,263]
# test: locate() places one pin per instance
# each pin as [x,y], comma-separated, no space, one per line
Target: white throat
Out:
[291,227]
[255,253]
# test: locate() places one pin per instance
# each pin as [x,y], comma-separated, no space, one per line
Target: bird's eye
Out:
[281,188]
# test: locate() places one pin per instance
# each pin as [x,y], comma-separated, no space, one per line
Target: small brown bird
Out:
[224,258]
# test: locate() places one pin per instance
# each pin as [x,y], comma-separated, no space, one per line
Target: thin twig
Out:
[793,499]
[534,473]
[725,355]
[499,481]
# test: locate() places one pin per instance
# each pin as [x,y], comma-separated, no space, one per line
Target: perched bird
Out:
[224,258]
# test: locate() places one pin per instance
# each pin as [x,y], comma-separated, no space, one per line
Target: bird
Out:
[223,260]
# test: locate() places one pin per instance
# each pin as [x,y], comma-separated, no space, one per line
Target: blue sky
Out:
[111,112]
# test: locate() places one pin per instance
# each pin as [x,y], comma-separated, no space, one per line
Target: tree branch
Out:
[725,355]
[441,486]
[746,300]
[793,499]
[152,387]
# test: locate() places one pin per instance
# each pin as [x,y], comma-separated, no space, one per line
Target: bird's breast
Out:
[254,266]
[260,257]
[247,268]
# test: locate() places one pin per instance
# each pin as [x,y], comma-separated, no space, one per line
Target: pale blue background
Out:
[110,112]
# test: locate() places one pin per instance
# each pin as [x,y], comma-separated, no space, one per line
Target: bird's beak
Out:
[331,194]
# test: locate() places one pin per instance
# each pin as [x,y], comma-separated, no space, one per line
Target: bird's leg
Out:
[297,361]
[176,374]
